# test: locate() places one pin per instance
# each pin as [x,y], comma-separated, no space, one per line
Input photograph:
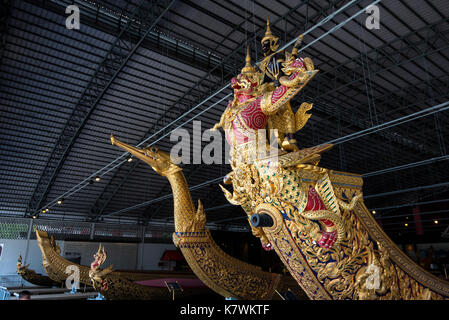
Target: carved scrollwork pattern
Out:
[341,271]
[224,274]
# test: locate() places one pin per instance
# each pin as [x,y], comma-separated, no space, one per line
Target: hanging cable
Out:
[254,32]
[328,18]
[411,117]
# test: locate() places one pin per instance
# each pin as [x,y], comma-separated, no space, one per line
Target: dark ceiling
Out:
[141,69]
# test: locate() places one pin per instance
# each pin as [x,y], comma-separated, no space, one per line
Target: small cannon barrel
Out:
[261,220]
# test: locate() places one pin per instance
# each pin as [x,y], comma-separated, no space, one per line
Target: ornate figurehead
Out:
[99,258]
[246,84]
[96,275]
[20,267]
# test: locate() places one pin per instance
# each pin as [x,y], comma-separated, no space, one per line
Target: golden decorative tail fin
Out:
[301,116]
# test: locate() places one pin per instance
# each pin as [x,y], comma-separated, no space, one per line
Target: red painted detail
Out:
[253,116]
[314,201]
[104,285]
[267,247]
[327,239]
[298,63]
[250,117]
[172,255]
[278,93]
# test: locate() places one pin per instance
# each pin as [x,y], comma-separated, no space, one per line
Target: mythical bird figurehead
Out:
[246,83]
[160,161]
[269,41]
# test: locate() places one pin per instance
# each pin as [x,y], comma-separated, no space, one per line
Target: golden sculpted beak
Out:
[139,153]
[133,150]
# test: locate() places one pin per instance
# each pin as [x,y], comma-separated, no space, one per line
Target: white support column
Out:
[30,228]
[142,249]
[92,230]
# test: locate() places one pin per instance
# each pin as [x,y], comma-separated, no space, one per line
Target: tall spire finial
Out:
[268,26]
[248,68]
[269,36]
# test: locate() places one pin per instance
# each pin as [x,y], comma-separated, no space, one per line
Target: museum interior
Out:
[207,150]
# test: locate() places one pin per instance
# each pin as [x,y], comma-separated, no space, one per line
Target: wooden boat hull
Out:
[365,264]
[35,278]
[121,285]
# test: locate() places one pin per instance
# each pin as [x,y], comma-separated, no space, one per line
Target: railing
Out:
[11,280]
[4,293]
[17,228]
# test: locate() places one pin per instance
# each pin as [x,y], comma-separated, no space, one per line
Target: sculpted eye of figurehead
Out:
[151,152]
[246,84]
[236,83]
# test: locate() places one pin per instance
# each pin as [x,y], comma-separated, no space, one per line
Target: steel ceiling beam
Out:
[381,59]
[400,100]
[410,204]
[220,179]
[207,85]
[391,193]
[107,70]
[156,41]
[324,20]
[356,120]
[5,11]
[151,212]
[396,138]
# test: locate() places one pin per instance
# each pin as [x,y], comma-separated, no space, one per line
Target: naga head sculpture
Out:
[160,161]
[20,266]
[96,275]
[99,258]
